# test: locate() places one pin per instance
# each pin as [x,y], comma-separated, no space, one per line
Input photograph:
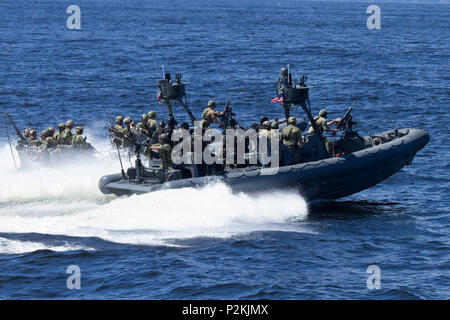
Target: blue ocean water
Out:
[210,243]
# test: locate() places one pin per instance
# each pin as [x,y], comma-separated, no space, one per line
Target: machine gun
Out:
[21,137]
[346,121]
[227,115]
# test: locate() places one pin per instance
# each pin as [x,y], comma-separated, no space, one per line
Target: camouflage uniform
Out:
[67,134]
[208,115]
[58,136]
[78,140]
[49,143]
[164,150]
[322,125]
[152,123]
[128,133]
[118,128]
[142,126]
[290,137]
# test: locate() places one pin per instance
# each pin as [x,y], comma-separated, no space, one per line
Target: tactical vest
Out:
[206,118]
[67,136]
[287,137]
[78,140]
[311,130]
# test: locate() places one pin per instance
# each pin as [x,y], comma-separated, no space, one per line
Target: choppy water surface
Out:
[210,243]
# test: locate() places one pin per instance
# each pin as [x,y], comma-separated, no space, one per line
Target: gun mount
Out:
[170,92]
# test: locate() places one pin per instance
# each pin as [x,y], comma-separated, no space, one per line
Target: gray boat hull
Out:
[330,178]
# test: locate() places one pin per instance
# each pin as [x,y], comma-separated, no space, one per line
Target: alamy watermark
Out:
[373,282]
[73,21]
[374,20]
[236,146]
[74,280]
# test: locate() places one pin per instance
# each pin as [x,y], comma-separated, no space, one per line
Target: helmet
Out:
[266,124]
[323,113]
[32,132]
[301,124]
[184,126]
[292,120]
[127,120]
[171,121]
[79,129]
[144,116]
[151,114]
[119,119]
[274,125]
[262,119]
[284,71]
[211,103]
[62,125]
[163,138]
[51,131]
[69,124]
[44,133]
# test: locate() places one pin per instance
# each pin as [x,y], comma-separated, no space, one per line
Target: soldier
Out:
[142,126]
[323,125]
[26,133]
[171,123]
[209,116]
[118,129]
[265,129]
[152,123]
[34,142]
[128,133]
[291,137]
[77,140]
[48,142]
[164,149]
[282,80]
[119,123]
[67,134]
[59,135]
[22,144]
[261,121]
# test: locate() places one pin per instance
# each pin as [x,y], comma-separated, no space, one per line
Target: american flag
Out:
[278,98]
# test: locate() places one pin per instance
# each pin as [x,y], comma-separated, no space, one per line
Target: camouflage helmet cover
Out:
[127,120]
[163,138]
[79,128]
[211,103]
[292,120]
[119,119]
[62,125]
[69,124]
[151,114]
[323,113]
[274,125]
[144,116]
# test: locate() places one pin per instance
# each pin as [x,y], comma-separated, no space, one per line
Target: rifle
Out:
[227,115]
[345,119]
[21,137]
